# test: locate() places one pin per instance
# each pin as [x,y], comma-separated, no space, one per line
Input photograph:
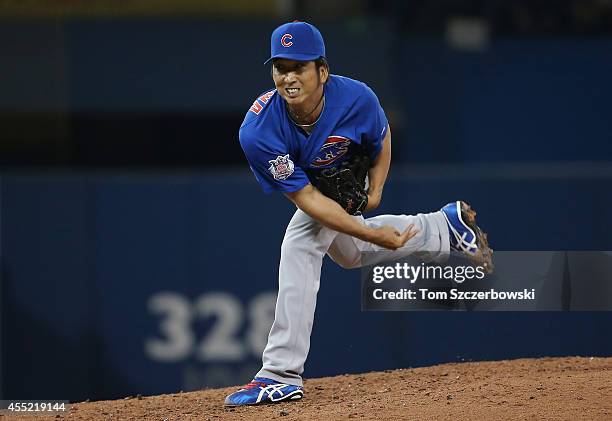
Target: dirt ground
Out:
[526,389]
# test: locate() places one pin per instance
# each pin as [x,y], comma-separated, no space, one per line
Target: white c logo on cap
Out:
[285,40]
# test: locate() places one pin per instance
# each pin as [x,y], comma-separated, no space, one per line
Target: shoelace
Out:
[253,385]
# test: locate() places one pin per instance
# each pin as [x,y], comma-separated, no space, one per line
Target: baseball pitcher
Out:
[315,138]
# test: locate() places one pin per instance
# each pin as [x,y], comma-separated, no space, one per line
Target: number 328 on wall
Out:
[176,339]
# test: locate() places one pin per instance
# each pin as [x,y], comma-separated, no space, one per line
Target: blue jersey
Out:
[282,155]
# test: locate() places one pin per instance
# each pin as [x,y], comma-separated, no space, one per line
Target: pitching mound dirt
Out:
[546,388]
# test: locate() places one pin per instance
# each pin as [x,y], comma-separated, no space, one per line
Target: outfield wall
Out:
[118,284]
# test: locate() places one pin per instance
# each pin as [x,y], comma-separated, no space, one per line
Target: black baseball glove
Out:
[346,184]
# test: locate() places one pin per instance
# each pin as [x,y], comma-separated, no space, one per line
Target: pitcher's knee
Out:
[346,262]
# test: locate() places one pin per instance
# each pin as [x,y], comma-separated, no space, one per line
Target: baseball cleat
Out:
[466,236]
[262,390]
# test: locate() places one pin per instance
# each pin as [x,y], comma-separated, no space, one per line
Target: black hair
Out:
[322,61]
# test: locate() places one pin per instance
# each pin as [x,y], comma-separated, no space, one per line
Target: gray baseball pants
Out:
[305,244]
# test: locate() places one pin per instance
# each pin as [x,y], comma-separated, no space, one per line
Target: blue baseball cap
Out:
[296,40]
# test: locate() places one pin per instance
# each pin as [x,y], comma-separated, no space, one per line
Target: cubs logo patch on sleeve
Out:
[281,167]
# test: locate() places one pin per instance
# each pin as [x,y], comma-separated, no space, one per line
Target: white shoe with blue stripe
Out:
[263,390]
[466,236]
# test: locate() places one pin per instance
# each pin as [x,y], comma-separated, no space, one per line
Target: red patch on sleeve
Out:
[256,107]
[266,97]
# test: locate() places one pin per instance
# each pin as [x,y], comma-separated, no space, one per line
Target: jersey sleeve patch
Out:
[260,102]
[256,107]
[266,97]
[281,167]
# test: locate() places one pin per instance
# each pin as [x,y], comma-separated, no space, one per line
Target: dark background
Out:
[129,216]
